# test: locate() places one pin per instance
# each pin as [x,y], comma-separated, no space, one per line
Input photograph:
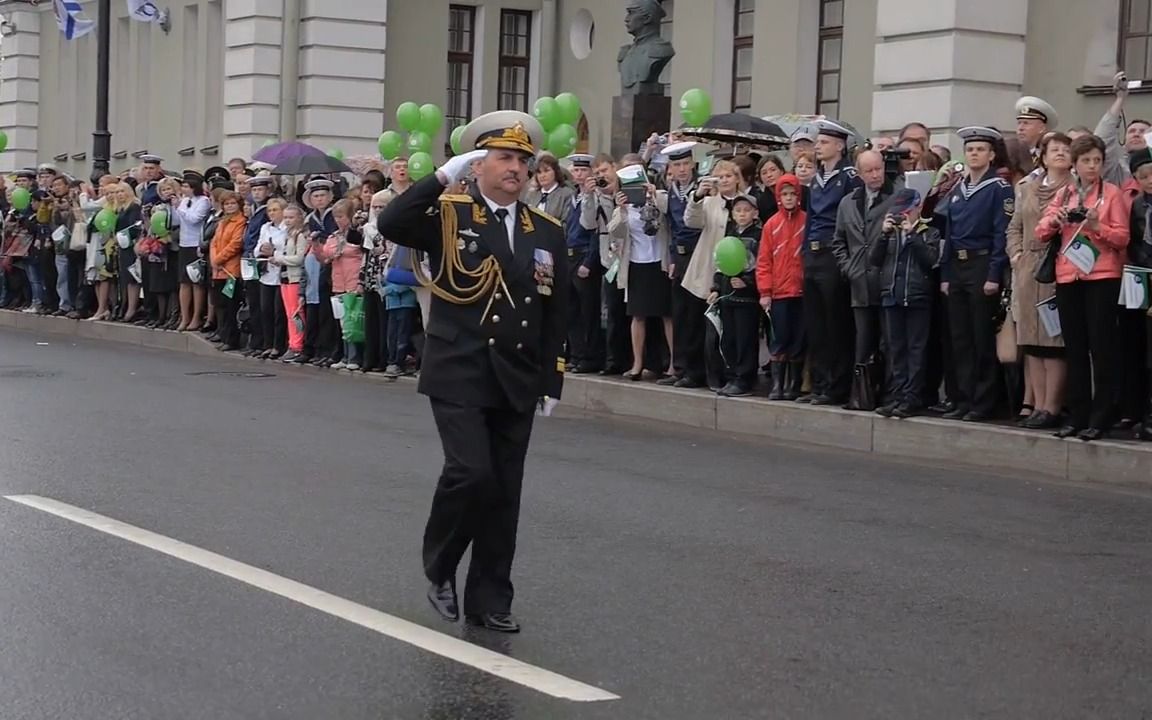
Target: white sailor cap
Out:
[832,129]
[318,184]
[28,173]
[807,131]
[261,181]
[151,159]
[1034,108]
[47,168]
[258,165]
[974,133]
[503,130]
[680,150]
[580,160]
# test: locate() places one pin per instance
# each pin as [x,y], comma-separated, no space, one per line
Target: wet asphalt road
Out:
[695,576]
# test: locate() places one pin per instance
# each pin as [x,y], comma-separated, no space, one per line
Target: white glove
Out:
[546,405]
[455,168]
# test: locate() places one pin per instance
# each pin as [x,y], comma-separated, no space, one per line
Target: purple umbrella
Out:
[281,153]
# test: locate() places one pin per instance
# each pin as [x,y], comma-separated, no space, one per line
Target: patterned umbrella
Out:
[285,151]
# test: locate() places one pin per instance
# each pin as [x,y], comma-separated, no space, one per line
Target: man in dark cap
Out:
[494,354]
[585,336]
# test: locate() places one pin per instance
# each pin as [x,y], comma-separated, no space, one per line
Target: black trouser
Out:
[77,288]
[477,501]
[619,331]
[49,274]
[1132,402]
[867,321]
[253,295]
[828,321]
[585,335]
[330,341]
[226,313]
[971,317]
[272,318]
[312,330]
[740,342]
[688,331]
[907,330]
[375,332]
[1088,312]
[941,367]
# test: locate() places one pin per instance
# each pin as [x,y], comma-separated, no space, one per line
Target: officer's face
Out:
[320,199]
[504,171]
[978,155]
[1134,137]
[1030,130]
[828,148]
[24,182]
[151,172]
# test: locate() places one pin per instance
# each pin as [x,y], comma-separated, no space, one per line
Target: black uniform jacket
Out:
[505,348]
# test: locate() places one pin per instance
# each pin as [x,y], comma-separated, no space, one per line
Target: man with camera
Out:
[596,208]
[1116,163]
[973,265]
[585,338]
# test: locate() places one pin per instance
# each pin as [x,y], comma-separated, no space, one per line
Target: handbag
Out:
[867,381]
[79,240]
[1046,271]
[353,320]
[1007,351]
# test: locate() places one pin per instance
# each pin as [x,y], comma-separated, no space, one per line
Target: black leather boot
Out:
[794,380]
[778,370]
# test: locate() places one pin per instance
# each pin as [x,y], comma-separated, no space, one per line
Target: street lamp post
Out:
[101,137]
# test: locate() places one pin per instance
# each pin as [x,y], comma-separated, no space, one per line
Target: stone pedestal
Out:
[635,118]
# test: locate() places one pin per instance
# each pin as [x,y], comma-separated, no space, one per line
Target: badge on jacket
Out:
[545,273]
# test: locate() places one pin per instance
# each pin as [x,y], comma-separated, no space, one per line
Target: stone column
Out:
[948,64]
[252,34]
[342,74]
[20,91]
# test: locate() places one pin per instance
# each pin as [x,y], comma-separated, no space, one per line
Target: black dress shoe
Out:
[669,381]
[823,400]
[586,370]
[958,412]
[887,410]
[905,410]
[688,383]
[1042,420]
[1093,434]
[976,416]
[1066,431]
[496,622]
[612,371]
[943,408]
[806,399]
[443,599]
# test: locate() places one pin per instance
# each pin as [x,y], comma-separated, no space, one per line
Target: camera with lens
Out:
[601,182]
[650,216]
[892,159]
[1078,215]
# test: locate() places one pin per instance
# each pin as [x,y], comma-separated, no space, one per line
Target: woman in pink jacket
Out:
[344,251]
[1091,226]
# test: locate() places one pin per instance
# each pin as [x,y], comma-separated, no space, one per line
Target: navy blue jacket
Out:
[977,219]
[824,197]
[584,243]
[682,239]
[252,233]
[325,225]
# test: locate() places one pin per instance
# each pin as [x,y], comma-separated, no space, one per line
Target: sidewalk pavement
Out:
[988,448]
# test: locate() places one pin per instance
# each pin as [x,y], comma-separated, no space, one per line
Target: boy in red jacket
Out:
[780,280]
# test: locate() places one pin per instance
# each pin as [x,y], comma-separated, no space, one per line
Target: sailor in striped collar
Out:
[973,265]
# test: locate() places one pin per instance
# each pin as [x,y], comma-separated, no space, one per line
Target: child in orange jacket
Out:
[780,280]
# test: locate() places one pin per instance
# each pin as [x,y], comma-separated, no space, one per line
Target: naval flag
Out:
[69,21]
[143,10]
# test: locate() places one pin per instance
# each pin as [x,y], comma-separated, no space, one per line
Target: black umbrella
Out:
[738,128]
[311,165]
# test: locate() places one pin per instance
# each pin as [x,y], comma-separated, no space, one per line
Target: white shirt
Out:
[193,213]
[509,221]
[644,248]
[277,237]
[543,192]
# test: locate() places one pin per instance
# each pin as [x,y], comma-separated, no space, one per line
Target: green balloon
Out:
[336,153]
[3,141]
[419,141]
[695,107]
[105,221]
[431,118]
[548,113]
[408,116]
[21,198]
[570,110]
[420,165]
[454,141]
[731,256]
[159,223]
[561,141]
[391,144]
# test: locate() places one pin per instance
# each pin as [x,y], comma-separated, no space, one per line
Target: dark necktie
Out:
[544,197]
[502,216]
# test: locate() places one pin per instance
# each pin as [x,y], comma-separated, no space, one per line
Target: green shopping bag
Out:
[353,322]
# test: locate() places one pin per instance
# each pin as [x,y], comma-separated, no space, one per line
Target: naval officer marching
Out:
[494,354]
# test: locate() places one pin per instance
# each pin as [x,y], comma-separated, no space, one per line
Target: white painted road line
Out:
[494,663]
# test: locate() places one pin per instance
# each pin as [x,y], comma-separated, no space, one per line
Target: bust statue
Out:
[642,62]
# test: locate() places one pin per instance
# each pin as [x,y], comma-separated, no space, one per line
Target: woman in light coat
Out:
[1044,368]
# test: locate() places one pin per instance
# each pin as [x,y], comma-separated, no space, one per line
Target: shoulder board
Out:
[540,213]
[850,171]
[457,199]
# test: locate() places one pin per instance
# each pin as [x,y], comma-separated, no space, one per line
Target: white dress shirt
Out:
[509,221]
[644,249]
